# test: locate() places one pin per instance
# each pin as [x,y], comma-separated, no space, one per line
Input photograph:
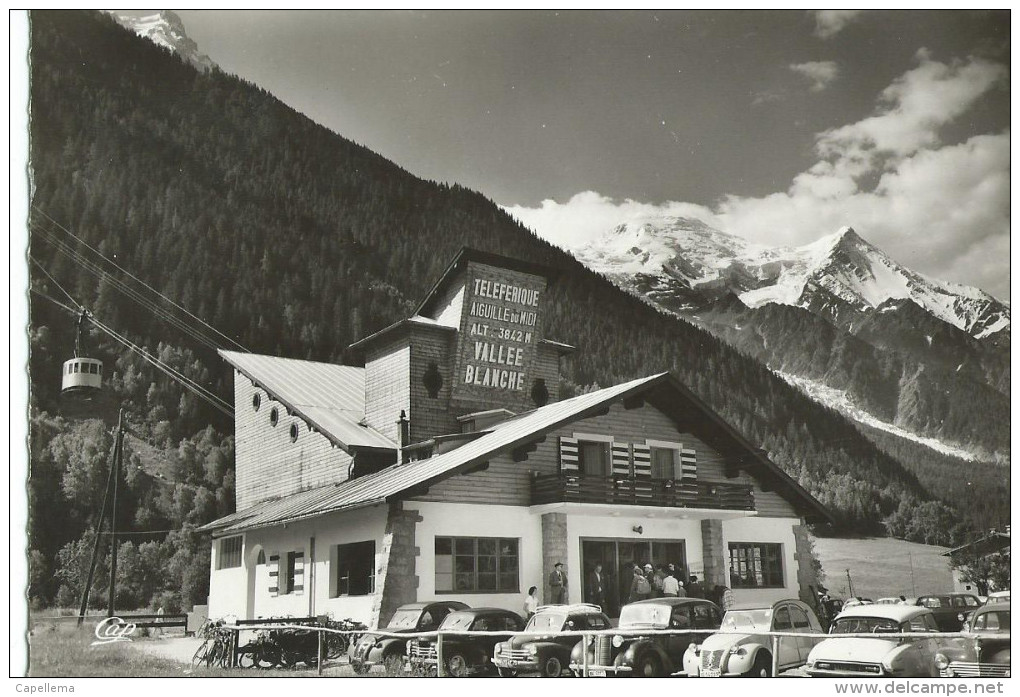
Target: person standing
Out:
[694,589]
[640,588]
[558,585]
[597,587]
[726,601]
[670,586]
[531,603]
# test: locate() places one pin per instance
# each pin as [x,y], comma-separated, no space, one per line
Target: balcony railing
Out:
[573,488]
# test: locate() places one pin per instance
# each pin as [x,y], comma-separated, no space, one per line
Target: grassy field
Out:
[882,567]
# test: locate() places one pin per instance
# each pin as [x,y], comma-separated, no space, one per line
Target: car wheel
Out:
[394,663]
[359,668]
[457,666]
[507,672]
[552,668]
[762,667]
[649,666]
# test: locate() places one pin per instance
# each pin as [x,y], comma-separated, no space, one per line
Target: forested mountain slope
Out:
[295,241]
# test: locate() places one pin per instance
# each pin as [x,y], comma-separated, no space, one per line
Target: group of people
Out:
[662,581]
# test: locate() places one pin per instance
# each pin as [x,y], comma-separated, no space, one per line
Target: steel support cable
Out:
[147,304]
[195,387]
[60,287]
[97,252]
[187,382]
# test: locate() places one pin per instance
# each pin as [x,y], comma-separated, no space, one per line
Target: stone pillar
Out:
[807,574]
[714,554]
[554,549]
[396,578]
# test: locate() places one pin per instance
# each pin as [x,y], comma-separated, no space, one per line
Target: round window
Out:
[293,432]
[274,416]
[256,401]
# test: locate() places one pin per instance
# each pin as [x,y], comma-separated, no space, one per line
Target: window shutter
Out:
[299,573]
[688,465]
[568,455]
[621,460]
[274,574]
[642,460]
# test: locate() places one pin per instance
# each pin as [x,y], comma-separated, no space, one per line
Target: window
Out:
[293,432]
[93,369]
[274,416]
[664,462]
[756,565]
[256,401]
[594,457]
[782,622]
[680,619]
[261,559]
[800,618]
[355,568]
[477,564]
[706,617]
[230,553]
[917,624]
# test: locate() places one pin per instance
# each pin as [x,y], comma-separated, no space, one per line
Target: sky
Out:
[779,126]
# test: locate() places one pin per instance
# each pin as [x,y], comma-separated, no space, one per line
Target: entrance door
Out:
[618,558]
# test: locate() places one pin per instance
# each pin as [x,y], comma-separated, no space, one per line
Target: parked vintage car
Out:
[950,609]
[373,649]
[746,650]
[631,654]
[880,656]
[984,651]
[997,597]
[547,655]
[463,654]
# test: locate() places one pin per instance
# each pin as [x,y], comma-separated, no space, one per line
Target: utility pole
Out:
[913,587]
[119,449]
[850,583]
[118,442]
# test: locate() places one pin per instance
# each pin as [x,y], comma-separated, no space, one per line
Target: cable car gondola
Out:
[81,376]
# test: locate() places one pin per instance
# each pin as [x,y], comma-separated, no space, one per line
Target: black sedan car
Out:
[631,654]
[950,609]
[983,651]
[464,654]
[548,656]
[373,649]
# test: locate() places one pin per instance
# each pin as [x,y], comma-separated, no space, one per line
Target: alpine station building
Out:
[448,468]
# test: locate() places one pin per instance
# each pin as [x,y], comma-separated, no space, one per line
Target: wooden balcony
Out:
[662,493]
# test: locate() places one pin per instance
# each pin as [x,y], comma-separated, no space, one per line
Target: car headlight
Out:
[695,648]
[410,643]
[960,616]
[941,662]
[591,640]
[532,649]
[499,648]
[738,651]
[617,641]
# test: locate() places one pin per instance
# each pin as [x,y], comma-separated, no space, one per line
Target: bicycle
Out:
[215,649]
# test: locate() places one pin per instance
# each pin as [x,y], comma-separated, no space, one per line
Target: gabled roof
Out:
[467,254]
[331,398]
[994,541]
[399,481]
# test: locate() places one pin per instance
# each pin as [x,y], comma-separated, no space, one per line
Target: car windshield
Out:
[756,618]
[404,619]
[457,620]
[864,625]
[546,621]
[642,615]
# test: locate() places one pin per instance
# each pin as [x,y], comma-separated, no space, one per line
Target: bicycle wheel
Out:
[246,656]
[200,655]
[267,656]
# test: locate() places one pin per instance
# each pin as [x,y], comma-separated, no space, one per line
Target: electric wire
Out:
[131,275]
[155,309]
[186,382]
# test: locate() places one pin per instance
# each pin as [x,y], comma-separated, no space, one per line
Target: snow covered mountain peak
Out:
[166,29]
[839,273]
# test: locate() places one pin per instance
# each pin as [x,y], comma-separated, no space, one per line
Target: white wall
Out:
[228,592]
[764,530]
[465,520]
[226,596]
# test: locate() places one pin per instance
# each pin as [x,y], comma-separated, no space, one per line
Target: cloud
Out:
[942,210]
[766,96]
[828,23]
[820,73]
